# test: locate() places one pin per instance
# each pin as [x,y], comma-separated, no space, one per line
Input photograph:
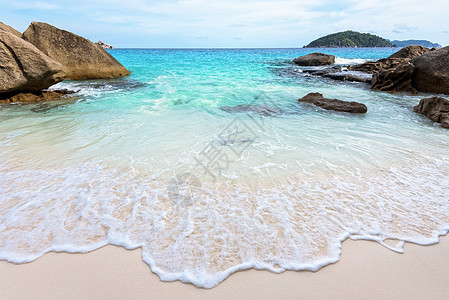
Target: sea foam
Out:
[295,225]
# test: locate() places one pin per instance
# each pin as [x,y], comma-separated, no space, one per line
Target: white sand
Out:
[365,270]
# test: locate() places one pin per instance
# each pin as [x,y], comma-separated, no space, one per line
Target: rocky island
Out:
[349,38]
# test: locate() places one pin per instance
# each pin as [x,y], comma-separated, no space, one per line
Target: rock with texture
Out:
[24,68]
[436,109]
[315,59]
[334,104]
[425,73]
[81,58]
[395,79]
[431,72]
[9,29]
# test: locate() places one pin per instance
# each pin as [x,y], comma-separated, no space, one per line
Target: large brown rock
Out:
[334,104]
[410,52]
[82,59]
[432,72]
[436,109]
[394,79]
[24,68]
[315,59]
[9,29]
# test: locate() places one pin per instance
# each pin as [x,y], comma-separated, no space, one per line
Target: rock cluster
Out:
[24,68]
[81,58]
[45,55]
[425,73]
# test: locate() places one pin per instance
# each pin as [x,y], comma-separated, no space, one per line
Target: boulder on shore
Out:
[81,58]
[425,73]
[432,72]
[436,109]
[315,59]
[9,29]
[24,68]
[334,104]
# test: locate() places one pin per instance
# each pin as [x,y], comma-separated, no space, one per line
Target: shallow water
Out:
[152,161]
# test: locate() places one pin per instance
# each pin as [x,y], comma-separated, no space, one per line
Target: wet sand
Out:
[366,269]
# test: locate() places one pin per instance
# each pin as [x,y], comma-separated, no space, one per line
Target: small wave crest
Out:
[349,61]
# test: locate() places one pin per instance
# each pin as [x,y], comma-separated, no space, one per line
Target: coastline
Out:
[365,269]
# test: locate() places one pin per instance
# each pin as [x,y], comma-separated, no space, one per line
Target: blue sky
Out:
[231,23]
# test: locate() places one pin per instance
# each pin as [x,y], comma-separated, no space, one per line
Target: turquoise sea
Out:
[152,161]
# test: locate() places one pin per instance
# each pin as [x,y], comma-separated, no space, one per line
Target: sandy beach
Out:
[365,270]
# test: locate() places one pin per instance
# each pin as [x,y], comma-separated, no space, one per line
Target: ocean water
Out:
[152,161]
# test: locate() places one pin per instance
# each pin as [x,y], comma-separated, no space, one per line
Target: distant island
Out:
[349,39]
[423,43]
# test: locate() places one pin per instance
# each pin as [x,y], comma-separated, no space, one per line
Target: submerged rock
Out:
[9,29]
[334,104]
[33,97]
[81,58]
[263,110]
[436,109]
[24,68]
[315,59]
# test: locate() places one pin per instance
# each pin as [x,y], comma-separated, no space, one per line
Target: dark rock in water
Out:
[33,97]
[350,76]
[410,52]
[315,59]
[9,29]
[24,68]
[81,58]
[341,74]
[334,104]
[263,110]
[436,109]
[395,79]
[431,72]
